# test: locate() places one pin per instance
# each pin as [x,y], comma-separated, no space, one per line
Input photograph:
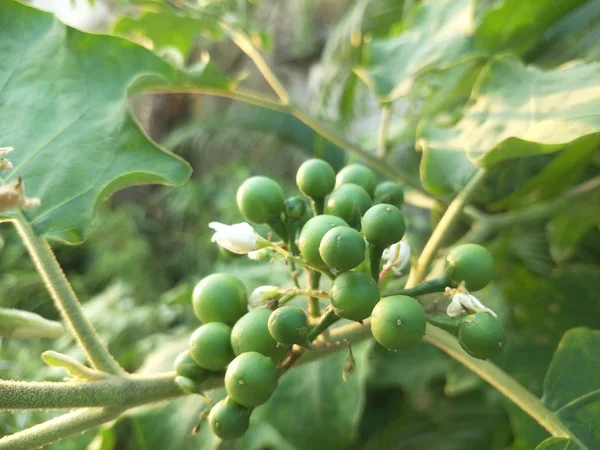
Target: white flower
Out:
[397,256]
[239,238]
[264,293]
[12,196]
[461,302]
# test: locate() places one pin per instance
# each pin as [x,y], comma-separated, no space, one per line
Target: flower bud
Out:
[264,294]
[239,238]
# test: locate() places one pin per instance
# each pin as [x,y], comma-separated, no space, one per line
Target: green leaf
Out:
[437,34]
[312,404]
[518,25]
[64,107]
[412,369]
[519,111]
[572,387]
[285,127]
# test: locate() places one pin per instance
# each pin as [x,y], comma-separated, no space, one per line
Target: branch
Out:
[54,430]
[453,212]
[487,224]
[65,299]
[111,392]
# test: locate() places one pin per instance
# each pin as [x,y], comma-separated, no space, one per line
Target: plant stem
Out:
[65,299]
[386,115]
[375,253]
[490,224]
[59,428]
[450,216]
[111,392]
[318,127]
[243,41]
[328,319]
[427,287]
[317,205]
[501,381]
[314,309]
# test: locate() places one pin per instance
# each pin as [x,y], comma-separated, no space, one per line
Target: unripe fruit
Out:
[342,248]
[228,419]
[389,192]
[398,322]
[260,200]
[185,366]
[220,298]
[289,325]
[470,263]
[357,174]
[481,335]
[211,346]
[251,379]
[251,334]
[383,225]
[348,202]
[311,235]
[315,178]
[295,208]
[354,295]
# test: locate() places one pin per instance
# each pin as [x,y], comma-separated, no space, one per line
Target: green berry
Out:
[185,366]
[398,322]
[389,192]
[315,178]
[471,264]
[228,419]
[311,235]
[354,295]
[220,298]
[383,225]
[251,379]
[357,174]
[481,335]
[295,208]
[348,202]
[342,248]
[211,346]
[289,325]
[251,334]
[260,200]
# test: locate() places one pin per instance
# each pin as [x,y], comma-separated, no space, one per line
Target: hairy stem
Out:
[111,392]
[384,124]
[54,430]
[314,309]
[65,299]
[450,216]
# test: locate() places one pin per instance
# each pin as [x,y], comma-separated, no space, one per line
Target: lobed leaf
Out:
[64,108]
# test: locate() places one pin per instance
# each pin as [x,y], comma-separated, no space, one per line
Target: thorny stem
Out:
[65,299]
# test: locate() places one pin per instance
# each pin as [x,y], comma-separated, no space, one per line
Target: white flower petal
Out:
[239,238]
[454,308]
[263,293]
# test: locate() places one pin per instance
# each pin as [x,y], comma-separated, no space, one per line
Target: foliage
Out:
[507,86]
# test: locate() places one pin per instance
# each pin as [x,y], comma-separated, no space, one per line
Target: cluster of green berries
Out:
[247,345]
[353,221]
